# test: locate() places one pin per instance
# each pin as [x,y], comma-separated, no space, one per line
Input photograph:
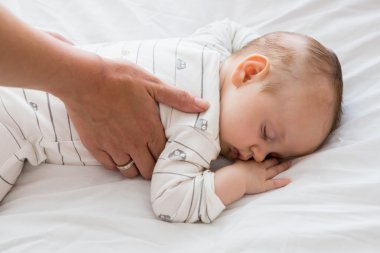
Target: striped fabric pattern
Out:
[35,127]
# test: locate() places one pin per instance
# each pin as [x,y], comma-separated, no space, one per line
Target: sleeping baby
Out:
[272,97]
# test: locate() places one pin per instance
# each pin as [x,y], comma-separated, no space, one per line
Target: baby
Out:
[280,97]
[285,91]
[271,98]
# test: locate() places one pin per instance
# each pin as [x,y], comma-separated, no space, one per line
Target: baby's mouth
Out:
[234,153]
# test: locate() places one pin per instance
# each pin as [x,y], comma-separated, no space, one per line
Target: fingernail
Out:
[201,103]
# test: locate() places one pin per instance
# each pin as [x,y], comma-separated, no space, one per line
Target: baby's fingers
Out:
[277,169]
[272,184]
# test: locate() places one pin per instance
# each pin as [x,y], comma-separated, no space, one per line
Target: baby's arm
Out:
[248,177]
[181,189]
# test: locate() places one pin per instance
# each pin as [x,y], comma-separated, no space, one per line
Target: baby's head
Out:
[281,97]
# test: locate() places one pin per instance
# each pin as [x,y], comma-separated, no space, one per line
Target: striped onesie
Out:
[35,126]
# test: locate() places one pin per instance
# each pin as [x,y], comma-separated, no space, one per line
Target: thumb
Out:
[178,98]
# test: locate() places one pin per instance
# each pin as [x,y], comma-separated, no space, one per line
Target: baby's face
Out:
[290,122]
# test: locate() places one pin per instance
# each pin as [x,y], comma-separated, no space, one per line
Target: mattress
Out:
[332,204]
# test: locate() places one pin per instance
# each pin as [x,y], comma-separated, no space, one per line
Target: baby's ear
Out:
[255,66]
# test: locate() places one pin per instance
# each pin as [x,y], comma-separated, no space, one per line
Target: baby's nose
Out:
[258,155]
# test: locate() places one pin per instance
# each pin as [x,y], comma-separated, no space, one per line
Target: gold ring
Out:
[126,167]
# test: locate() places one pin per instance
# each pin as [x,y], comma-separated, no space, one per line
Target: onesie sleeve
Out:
[182,188]
[225,36]
[19,137]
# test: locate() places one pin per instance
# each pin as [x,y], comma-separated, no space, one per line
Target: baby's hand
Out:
[248,177]
[260,176]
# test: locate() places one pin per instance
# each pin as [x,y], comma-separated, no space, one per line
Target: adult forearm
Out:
[112,103]
[33,59]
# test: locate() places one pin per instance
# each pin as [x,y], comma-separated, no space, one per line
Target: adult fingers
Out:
[145,156]
[104,158]
[156,145]
[144,161]
[120,158]
[131,172]
[177,98]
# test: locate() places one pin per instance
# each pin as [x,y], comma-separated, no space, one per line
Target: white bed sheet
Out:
[332,205]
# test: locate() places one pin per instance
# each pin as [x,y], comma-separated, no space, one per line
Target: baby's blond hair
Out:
[317,59]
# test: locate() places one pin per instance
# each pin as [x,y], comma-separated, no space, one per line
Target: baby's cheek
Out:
[243,134]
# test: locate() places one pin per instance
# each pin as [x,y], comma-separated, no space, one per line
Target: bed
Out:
[332,204]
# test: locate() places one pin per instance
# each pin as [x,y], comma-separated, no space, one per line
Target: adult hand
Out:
[59,37]
[118,119]
[112,103]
